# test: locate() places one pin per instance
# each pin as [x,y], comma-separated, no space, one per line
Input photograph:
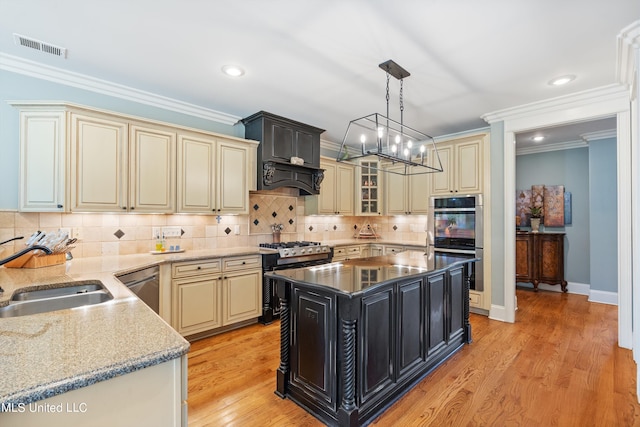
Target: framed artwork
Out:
[553,202]
[523,202]
[567,207]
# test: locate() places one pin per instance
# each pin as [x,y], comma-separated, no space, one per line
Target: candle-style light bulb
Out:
[422,154]
[363,139]
[397,139]
[409,143]
[406,152]
[394,148]
[380,132]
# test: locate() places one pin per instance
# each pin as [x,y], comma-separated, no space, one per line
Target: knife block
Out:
[31,260]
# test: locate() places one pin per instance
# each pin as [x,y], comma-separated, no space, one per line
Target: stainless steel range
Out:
[287,255]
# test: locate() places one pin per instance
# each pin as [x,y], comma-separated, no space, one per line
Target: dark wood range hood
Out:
[282,139]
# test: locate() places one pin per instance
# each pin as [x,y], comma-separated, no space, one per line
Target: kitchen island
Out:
[356,335]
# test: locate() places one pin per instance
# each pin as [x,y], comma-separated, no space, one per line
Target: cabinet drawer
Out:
[353,251]
[185,269]
[475,299]
[242,263]
[339,251]
[393,249]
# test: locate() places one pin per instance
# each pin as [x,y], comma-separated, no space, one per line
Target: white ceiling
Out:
[316,61]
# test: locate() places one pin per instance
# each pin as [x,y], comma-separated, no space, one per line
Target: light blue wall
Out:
[603,215]
[15,87]
[571,169]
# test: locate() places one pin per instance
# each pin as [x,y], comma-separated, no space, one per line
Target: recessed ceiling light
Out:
[562,80]
[233,70]
[537,138]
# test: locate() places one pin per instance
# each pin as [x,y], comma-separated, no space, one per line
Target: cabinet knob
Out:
[132,207]
[124,208]
[199,268]
[60,206]
[244,262]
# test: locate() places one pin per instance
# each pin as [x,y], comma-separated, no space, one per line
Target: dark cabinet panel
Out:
[457,295]
[312,360]
[411,315]
[377,342]
[524,257]
[437,324]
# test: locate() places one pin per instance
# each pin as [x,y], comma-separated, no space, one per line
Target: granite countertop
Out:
[360,274]
[47,354]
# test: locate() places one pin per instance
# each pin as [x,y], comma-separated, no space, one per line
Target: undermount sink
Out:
[46,300]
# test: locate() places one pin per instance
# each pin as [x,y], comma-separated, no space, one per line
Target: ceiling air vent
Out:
[39,45]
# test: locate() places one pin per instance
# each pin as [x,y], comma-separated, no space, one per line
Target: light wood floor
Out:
[558,365]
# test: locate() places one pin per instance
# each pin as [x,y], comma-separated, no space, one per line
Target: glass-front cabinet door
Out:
[369,194]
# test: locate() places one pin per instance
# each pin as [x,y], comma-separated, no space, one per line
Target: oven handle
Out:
[445,210]
[454,251]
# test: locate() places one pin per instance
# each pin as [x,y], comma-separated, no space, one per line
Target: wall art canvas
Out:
[523,202]
[553,205]
[567,207]
[537,196]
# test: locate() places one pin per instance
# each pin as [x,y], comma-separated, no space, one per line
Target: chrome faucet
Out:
[24,251]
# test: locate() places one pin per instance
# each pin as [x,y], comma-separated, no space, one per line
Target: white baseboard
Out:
[604,297]
[498,312]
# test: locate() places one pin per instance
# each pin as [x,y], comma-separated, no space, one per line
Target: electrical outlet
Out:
[76,233]
[156,232]
[65,230]
[172,231]
[236,229]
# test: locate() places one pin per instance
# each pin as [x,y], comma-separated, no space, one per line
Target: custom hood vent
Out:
[288,154]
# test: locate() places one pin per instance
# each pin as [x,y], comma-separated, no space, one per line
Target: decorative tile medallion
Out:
[227,230]
[119,234]
[272,209]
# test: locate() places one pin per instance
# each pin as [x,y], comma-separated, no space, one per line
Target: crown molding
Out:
[628,41]
[41,71]
[601,134]
[551,147]
[614,92]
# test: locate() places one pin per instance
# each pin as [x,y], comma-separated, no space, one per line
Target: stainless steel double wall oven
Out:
[456,228]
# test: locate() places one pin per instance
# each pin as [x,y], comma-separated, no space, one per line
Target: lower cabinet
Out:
[215,293]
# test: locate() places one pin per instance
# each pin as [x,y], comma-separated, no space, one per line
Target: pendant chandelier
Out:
[379,137]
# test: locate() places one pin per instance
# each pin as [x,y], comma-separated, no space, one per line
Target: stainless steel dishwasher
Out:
[145,284]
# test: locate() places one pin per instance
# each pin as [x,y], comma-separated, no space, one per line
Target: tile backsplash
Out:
[122,234]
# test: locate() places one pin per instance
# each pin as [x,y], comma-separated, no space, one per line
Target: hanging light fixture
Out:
[390,141]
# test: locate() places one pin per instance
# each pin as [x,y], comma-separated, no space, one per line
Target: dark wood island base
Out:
[355,336]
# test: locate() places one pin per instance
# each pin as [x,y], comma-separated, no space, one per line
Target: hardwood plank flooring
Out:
[558,365]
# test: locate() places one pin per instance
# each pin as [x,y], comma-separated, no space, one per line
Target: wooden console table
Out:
[540,259]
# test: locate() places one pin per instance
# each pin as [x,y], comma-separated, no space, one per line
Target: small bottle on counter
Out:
[159,243]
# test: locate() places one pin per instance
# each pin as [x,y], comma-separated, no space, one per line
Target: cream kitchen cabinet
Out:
[343,253]
[210,294]
[213,175]
[43,159]
[118,166]
[336,190]
[369,191]
[406,194]
[462,161]
[76,158]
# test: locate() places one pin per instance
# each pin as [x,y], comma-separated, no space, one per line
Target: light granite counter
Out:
[47,354]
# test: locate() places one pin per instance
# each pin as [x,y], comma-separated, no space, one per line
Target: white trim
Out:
[551,147]
[598,135]
[603,297]
[37,70]
[595,103]
[498,312]
[628,42]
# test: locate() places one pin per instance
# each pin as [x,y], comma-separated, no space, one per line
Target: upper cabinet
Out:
[97,161]
[43,135]
[369,184]
[462,160]
[406,194]
[336,190]
[117,166]
[213,175]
